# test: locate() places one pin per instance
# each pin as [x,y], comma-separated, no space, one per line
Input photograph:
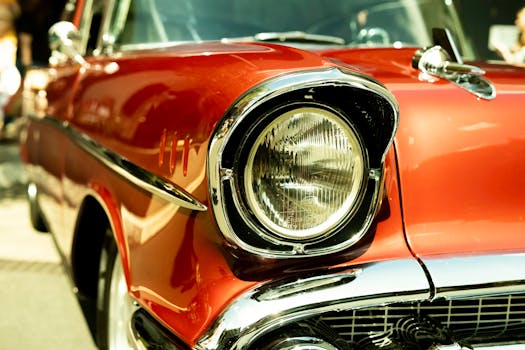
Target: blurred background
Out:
[39,310]
[478,16]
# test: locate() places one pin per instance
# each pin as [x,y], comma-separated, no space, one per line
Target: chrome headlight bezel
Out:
[333,91]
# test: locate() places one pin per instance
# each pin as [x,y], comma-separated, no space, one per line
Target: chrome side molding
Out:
[135,174]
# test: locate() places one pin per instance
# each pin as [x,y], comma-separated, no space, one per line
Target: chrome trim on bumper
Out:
[480,347]
[148,334]
[520,346]
[138,176]
[467,276]
[272,304]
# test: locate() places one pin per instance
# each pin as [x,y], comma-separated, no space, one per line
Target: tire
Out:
[114,305]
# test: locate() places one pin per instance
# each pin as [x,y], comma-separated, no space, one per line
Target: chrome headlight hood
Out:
[295,166]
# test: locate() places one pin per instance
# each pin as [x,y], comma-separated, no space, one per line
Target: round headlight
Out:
[304,174]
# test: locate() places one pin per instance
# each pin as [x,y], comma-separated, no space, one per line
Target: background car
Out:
[328,175]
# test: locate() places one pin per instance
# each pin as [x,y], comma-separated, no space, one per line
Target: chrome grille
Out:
[472,320]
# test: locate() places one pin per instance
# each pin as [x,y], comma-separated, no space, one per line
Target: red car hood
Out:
[460,158]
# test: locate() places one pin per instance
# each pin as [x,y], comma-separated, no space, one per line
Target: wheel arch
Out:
[97,218]
[90,230]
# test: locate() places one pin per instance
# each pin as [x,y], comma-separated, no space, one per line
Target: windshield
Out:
[317,22]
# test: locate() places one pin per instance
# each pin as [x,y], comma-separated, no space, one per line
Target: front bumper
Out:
[379,305]
[272,305]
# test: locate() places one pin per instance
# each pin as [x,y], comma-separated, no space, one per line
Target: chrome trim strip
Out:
[138,176]
[217,173]
[456,346]
[467,276]
[272,304]
[520,346]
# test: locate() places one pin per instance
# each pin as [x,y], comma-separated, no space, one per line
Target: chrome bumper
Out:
[382,286]
[270,305]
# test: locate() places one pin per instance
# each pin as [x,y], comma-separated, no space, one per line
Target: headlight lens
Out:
[304,173]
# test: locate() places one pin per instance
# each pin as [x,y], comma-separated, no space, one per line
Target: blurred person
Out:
[9,75]
[515,54]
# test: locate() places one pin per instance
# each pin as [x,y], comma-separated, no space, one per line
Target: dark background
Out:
[478,15]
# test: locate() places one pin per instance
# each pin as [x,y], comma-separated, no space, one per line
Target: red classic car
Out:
[284,175]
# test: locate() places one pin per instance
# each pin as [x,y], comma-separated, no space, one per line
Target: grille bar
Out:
[480,319]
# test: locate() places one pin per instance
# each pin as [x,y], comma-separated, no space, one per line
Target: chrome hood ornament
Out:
[443,61]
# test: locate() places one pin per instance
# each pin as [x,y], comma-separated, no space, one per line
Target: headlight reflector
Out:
[304,173]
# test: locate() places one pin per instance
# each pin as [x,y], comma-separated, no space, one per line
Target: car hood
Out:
[460,158]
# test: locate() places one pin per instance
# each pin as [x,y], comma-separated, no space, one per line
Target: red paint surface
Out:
[460,158]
